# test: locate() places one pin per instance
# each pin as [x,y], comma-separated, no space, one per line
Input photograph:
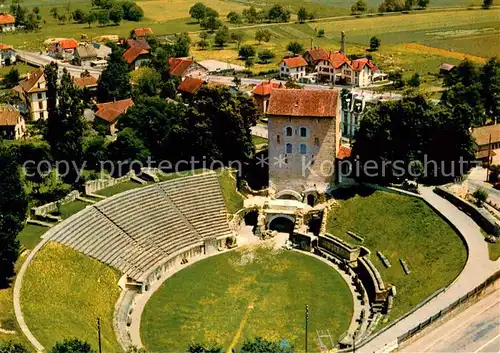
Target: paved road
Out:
[42,60]
[477,269]
[475,180]
[476,329]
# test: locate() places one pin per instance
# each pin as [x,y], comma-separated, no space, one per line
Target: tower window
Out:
[278,139]
[289,131]
[303,148]
[289,148]
[303,132]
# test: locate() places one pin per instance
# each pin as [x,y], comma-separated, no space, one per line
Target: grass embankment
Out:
[63,293]
[493,249]
[406,228]
[257,141]
[116,189]
[271,287]
[232,198]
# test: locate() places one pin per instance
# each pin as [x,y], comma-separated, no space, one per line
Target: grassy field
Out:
[257,140]
[232,199]
[493,249]
[64,292]
[402,228]
[71,208]
[116,189]
[246,293]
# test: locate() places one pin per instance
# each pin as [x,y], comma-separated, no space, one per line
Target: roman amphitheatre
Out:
[192,260]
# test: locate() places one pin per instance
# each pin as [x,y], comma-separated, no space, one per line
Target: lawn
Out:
[175,175]
[64,292]
[243,294]
[232,199]
[493,249]
[71,208]
[257,140]
[21,67]
[116,189]
[30,235]
[406,228]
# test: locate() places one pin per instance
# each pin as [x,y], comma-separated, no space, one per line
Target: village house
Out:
[103,51]
[88,82]
[142,43]
[488,143]
[136,56]
[190,85]
[33,94]
[7,55]
[314,56]
[186,67]
[84,54]
[12,125]
[7,22]
[304,137]
[446,69]
[293,68]
[262,93]
[108,113]
[141,33]
[64,49]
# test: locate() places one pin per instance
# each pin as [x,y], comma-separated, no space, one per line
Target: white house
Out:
[33,94]
[7,55]
[7,22]
[294,68]
[12,125]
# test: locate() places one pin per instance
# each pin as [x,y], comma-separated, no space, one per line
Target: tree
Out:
[61,18]
[234,18]
[78,16]
[295,48]
[128,147]
[374,43]
[278,13]
[414,81]
[149,82]
[409,4]
[320,33]
[90,18]
[13,208]
[249,63]
[221,37]
[237,37]
[359,7]
[10,347]
[397,79]
[32,22]
[72,346]
[302,15]
[200,348]
[11,79]
[114,82]
[198,11]
[260,345]
[392,6]
[250,14]
[262,35]
[487,4]
[481,196]
[36,10]
[266,55]
[103,18]
[246,52]
[53,11]
[203,44]
[134,13]
[116,14]
[211,23]
[237,82]
[423,3]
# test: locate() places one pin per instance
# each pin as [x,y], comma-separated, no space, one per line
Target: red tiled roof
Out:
[82,82]
[141,43]
[190,85]
[28,85]
[317,54]
[301,102]
[141,32]
[338,59]
[68,43]
[485,154]
[5,47]
[6,19]
[359,64]
[9,117]
[133,53]
[178,66]
[297,61]
[265,87]
[482,134]
[344,152]
[112,110]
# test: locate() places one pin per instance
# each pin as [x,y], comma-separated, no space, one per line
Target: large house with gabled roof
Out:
[33,93]
[293,68]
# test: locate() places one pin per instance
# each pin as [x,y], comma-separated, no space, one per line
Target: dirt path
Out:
[237,335]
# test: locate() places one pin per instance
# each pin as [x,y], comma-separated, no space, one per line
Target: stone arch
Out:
[286,192]
[281,223]
[311,200]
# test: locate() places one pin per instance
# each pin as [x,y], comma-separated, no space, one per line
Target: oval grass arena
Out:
[246,293]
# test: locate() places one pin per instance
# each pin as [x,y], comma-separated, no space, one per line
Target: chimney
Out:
[342,42]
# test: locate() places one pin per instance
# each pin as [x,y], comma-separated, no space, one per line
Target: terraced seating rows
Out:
[136,230]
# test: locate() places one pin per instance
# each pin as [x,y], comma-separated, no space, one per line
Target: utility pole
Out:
[99,334]
[307,322]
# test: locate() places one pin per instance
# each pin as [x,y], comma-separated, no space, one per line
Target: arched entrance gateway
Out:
[282,223]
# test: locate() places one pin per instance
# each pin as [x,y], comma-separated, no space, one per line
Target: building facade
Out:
[33,94]
[7,55]
[488,143]
[7,22]
[304,137]
[293,68]
[12,125]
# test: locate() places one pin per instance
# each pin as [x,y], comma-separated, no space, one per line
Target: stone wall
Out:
[54,206]
[92,186]
[481,216]
[338,247]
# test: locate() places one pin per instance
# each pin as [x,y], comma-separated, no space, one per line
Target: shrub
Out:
[246,52]
[481,195]
[266,55]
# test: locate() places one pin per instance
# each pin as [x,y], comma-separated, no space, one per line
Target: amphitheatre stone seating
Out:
[138,230]
[200,200]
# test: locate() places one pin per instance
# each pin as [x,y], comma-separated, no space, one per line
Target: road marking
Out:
[487,343]
[459,326]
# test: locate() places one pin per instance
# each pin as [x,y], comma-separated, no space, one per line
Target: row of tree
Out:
[390,6]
